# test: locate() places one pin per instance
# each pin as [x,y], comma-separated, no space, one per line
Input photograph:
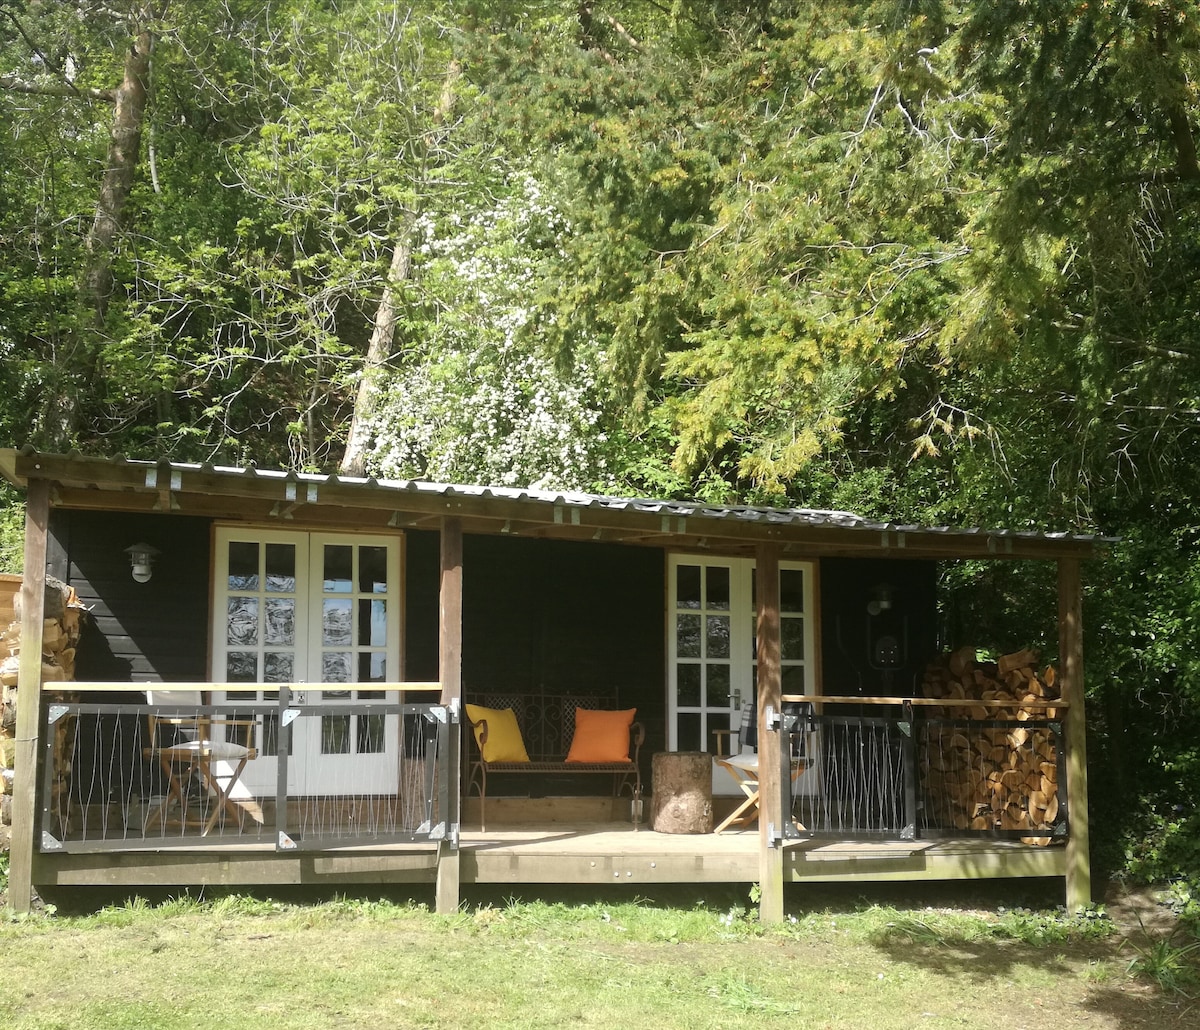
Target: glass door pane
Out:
[355,642]
[712,649]
[260,576]
[707,672]
[315,611]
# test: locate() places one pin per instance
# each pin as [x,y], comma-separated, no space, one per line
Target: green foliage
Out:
[1172,963]
[12,531]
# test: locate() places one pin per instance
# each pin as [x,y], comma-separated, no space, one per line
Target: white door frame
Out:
[328,620]
[710,635]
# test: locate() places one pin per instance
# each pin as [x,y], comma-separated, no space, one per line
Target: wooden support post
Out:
[770,693]
[1070,647]
[29,698]
[450,665]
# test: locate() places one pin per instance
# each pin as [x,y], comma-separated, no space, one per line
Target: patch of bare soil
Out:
[1139,909]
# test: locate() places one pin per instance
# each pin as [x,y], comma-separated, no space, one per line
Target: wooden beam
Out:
[1070,650]
[450,663]
[29,698]
[101,483]
[770,694]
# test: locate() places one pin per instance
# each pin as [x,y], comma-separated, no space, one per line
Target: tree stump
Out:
[682,783]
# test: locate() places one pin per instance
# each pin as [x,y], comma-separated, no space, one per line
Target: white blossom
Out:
[479,402]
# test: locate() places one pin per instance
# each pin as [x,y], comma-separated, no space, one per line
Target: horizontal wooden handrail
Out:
[927,702]
[86,686]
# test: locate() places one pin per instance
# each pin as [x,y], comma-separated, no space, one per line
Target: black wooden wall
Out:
[540,617]
[868,650]
[549,617]
[139,632]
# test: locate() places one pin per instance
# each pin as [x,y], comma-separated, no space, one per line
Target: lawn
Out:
[243,962]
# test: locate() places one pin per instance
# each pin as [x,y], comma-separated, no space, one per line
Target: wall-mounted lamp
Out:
[881,600]
[141,557]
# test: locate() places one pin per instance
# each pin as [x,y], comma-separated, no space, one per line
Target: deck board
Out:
[556,854]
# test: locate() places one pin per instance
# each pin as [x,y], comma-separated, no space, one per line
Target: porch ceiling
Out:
[277,497]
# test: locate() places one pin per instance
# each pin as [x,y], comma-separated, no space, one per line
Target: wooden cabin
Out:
[334,629]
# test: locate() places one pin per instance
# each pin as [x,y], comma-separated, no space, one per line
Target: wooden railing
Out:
[119,772]
[906,768]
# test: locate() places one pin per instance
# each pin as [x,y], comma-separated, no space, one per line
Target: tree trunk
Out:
[383,334]
[96,282]
[1186,163]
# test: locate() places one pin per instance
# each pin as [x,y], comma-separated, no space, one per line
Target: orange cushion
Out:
[504,741]
[601,736]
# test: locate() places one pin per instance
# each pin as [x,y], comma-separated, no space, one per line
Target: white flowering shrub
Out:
[472,398]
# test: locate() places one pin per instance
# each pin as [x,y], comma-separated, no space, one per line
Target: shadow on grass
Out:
[719,898]
[1122,1001]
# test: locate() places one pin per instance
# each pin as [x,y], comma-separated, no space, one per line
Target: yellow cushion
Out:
[601,736]
[504,742]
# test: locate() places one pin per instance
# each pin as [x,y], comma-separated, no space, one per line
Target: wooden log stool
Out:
[682,784]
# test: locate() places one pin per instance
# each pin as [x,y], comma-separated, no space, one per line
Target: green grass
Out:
[251,962]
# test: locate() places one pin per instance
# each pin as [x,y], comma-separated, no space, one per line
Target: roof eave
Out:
[133,485]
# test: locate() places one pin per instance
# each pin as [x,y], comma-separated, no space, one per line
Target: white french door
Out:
[321,608]
[712,622]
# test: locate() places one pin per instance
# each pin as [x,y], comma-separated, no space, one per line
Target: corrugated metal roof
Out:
[751,514]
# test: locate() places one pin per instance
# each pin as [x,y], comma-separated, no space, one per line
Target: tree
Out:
[472,403]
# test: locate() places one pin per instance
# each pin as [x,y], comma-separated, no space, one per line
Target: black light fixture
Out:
[141,557]
[881,600]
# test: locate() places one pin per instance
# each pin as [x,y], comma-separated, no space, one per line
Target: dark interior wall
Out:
[140,632]
[548,617]
[554,618]
[878,625]
[422,585]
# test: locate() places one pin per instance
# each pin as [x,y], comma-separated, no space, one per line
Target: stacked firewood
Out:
[63,618]
[993,777]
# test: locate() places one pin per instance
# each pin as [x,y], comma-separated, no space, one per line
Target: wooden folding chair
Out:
[743,767]
[183,746]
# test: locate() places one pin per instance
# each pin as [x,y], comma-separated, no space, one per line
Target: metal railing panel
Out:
[902,775]
[103,784]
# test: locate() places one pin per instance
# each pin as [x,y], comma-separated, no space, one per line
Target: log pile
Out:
[63,622]
[992,777]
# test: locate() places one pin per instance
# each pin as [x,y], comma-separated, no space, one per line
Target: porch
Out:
[265,577]
[112,815]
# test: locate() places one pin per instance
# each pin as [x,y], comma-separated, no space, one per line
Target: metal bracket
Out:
[774,837]
[909,832]
[771,717]
[289,716]
[285,843]
[56,712]
[441,713]
[50,842]
[563,515]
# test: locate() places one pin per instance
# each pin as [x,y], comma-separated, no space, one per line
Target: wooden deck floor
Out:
[550,854]
[616,853]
